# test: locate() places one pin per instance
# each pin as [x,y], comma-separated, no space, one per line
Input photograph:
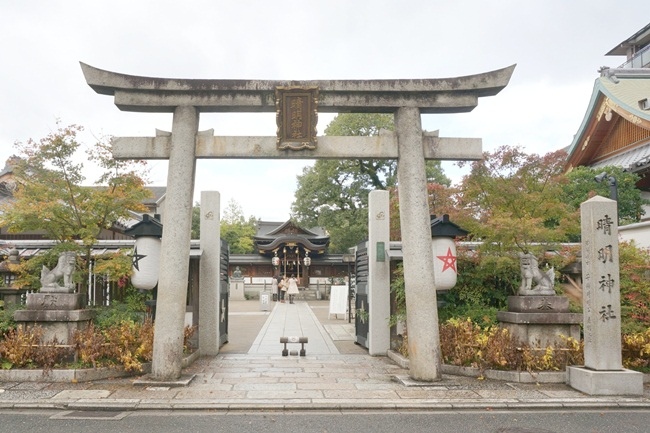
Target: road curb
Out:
[489,405]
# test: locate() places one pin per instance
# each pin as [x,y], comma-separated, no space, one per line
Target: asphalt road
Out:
[628,421]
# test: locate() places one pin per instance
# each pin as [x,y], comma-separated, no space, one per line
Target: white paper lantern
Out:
[146,261]
[445,271]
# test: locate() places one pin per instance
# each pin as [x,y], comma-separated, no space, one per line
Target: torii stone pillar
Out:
[174,269]
[421,305]
[406,98]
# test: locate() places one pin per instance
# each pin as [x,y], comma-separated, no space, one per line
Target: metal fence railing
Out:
[640,60]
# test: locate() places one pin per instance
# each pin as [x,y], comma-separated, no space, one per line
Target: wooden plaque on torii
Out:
[297,117]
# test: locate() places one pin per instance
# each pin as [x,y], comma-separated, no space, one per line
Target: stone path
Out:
[335,374]
[287,320]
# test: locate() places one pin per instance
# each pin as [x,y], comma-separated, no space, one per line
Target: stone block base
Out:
[538,304]
[237,291]
[55,323]
[53,315]
[539,335]
[540,318]
[601,382]
[54,301]
[541,329]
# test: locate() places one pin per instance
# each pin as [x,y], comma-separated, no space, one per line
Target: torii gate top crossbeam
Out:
[441,95]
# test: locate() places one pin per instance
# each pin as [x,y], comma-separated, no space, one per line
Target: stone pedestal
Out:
[601,382]
[540,320]
[237,289]
[58,314]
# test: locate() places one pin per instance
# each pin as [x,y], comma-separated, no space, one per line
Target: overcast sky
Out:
[558,46]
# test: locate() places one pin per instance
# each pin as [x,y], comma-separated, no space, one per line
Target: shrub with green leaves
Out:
[7,322]
[132,309]
[635,288]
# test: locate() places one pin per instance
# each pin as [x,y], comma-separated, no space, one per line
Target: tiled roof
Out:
[632,160]
[623,90]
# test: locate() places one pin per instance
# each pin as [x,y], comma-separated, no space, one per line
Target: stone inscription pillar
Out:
[378,273]
[603,372]
[209,271]
[601,285]
[421,304]
[175,248]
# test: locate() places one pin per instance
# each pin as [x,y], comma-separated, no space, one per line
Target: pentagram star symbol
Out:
[136,258]
[449,261]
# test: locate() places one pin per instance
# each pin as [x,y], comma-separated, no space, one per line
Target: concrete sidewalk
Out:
[335,374]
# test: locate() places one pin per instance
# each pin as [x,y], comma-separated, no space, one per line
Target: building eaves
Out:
[266,227]
[633,160]
[625,90]
[640,38]
[158,192]
[278,230]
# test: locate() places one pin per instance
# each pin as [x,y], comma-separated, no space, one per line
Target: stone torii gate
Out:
[407,99]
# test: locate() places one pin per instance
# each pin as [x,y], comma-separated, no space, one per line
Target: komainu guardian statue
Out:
[530,273]
[64,269]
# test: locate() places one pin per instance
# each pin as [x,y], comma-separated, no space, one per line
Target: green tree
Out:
[237,230]
[514,200]
[51,196]
[333,194]
[196,221]
[635,288]
[582,186]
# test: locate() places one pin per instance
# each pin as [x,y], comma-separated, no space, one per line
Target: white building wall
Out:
[638,232]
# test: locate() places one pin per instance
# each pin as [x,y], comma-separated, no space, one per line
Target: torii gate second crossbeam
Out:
[407,99]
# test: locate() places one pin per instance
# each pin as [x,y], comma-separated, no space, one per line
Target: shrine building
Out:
[285,248]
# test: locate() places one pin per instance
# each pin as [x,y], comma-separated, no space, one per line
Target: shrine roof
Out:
[273,235]
[621,92]
[269,229]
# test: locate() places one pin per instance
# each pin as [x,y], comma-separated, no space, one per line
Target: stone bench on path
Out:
[294,339]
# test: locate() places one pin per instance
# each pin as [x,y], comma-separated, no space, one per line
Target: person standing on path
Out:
[293,288]
[283,284]
[274,287]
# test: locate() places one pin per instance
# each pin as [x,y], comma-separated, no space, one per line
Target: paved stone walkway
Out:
[289,320]
[335,374]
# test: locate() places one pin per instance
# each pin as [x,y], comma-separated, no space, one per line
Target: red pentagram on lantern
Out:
[449,261]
